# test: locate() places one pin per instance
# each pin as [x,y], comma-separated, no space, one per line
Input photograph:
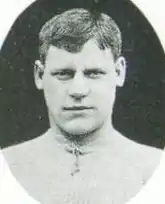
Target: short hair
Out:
[73,28]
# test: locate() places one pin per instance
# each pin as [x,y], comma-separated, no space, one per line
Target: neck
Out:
[96,138]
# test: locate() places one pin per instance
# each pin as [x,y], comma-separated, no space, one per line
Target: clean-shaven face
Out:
[79,88]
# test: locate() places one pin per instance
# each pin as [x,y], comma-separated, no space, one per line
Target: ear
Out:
[120,71]
[38,73]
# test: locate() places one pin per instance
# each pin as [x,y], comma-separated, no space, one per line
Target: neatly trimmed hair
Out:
[73,28]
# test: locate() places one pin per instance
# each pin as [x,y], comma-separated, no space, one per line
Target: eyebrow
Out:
[94,68]
[74,70]
[63,69]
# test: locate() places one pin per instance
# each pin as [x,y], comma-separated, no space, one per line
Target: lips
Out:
[77,108]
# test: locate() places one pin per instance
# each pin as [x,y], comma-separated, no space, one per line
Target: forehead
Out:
[89,54]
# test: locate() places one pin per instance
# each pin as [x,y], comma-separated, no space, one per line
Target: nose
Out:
[78,88]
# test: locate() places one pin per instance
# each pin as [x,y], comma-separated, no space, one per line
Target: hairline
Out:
[79,51]
[47,40]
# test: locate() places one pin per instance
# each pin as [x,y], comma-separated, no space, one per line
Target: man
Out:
[81,158]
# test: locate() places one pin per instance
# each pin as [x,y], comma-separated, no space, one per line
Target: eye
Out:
[64,74]
[94,73]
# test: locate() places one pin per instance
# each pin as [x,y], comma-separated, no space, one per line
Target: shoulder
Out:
[28,150]
[149,158]
[143,157]
[11,191]
[138,149]
[145,154]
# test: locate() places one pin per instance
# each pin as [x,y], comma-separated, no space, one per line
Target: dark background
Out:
[140,105]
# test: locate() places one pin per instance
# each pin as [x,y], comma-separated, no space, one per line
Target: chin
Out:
[79,128]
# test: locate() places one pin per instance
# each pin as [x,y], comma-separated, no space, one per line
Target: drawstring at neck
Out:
[76,167]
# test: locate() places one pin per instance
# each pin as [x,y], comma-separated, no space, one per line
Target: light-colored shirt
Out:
[106,173]
[11,192]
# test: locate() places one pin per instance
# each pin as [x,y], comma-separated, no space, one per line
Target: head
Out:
[79,69]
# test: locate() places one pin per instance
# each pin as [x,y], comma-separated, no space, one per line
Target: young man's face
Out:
[79,88]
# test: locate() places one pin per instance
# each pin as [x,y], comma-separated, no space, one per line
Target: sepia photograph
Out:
[82,102]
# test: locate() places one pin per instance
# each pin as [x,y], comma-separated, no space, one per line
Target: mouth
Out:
[77,108]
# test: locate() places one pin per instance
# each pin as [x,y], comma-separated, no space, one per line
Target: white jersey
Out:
[108,175]
[11,192]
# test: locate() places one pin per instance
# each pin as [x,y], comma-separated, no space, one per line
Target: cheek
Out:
[104,90]
[53,91]
[104,95]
